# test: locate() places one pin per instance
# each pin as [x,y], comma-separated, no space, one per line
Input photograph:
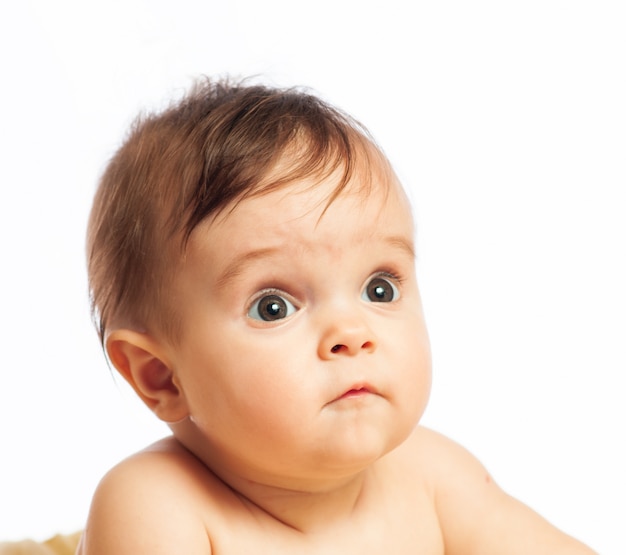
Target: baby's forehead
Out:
[366,185]
[299,228]
[314,209]
[290,190]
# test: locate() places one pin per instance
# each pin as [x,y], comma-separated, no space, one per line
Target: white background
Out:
[507,123]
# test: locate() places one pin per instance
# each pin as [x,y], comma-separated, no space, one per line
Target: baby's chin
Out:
[351,447]
[361,452]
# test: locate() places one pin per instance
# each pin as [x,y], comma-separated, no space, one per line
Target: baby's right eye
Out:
[271,307]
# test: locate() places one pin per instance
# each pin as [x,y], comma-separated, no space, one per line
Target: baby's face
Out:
[304,352]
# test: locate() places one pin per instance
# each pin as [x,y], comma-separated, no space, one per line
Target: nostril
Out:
[367,346]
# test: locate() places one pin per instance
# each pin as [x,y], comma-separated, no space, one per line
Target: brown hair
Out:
[177,167]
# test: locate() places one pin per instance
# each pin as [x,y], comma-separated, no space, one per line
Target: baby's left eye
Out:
[380,289]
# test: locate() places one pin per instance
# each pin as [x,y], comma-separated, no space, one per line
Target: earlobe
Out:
[140,360]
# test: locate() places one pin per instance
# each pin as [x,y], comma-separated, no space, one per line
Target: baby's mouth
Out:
[356,392]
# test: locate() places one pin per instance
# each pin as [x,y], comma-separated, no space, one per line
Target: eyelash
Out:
[394,276]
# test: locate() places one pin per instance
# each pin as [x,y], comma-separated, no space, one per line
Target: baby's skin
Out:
[294,392]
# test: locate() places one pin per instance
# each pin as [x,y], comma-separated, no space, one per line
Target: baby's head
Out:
[251,264]
[221,143]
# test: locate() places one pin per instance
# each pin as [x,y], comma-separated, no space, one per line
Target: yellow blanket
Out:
[59,545]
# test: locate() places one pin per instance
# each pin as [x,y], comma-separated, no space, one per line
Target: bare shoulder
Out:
[475,514]
[152,502]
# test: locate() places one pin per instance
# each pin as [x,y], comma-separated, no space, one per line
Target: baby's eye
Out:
[270,308]
[380,289]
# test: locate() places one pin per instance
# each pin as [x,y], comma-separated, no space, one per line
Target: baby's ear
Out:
[140,359]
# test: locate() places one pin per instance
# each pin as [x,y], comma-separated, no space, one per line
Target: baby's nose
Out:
[346,336]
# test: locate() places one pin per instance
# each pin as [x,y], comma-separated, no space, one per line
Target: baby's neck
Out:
[308,509]
[307,506]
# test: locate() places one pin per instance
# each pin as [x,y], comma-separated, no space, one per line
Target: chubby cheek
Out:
[414,383]
[423,382]
[244,385]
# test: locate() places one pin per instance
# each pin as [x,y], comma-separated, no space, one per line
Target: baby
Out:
[251,266]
